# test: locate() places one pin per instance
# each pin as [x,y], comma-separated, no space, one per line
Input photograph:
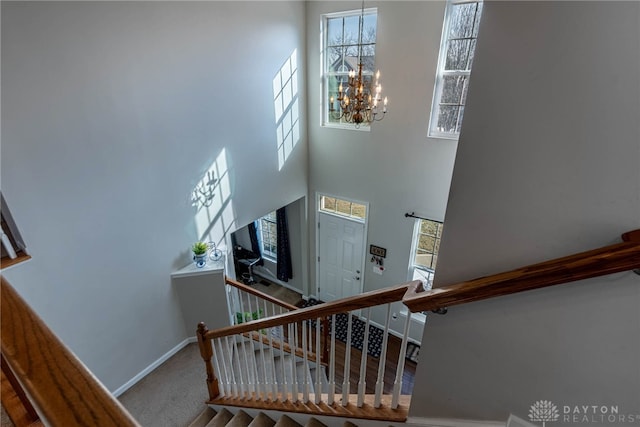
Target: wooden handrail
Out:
[367,299]
[63,390]
[597,262]
[262,295]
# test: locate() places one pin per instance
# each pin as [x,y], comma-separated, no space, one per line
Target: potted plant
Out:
[200,253]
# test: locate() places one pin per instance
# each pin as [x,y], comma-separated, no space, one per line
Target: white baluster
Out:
[382,361]
[255,353]
[250,385]
[218,368]
[318,365]
[397,385]
[285,390]
[294,375]
[347,364]
[240,378]
[265,389]
[305,349]
[234,383]
[363,361]
[332,363]
[273,364]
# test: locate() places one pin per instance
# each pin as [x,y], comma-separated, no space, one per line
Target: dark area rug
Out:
[374,347]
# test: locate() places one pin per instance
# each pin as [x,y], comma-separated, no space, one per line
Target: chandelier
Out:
[359,100]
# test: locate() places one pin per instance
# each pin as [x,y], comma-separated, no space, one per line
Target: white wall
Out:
[111,113]
[395,166]
[547,166]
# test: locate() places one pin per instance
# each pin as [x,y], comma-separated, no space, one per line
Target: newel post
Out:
[206,351]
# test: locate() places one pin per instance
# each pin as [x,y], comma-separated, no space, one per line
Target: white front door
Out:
[341,244]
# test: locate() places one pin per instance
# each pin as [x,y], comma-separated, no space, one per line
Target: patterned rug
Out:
[374,347]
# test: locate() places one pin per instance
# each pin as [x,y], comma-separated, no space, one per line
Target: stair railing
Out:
[247,303]
[295,333]
[233,360]
[63,391]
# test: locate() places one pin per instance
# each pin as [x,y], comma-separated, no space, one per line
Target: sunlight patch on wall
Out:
[211,197]
[285,93]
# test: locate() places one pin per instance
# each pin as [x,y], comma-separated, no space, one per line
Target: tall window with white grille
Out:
[457,49]
[343,48]
[426,244]
[269,236]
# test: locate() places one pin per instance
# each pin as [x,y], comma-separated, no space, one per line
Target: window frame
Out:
[441,73]
[263,223]
[326,74]
[351,216]
[14,248]
[426,273]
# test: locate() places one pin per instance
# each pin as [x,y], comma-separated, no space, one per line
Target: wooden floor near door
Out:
[391,367]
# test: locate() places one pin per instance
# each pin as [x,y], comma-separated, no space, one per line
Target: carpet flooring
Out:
[173,394]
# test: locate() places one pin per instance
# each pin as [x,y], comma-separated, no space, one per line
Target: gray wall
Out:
[547,166]
[395,166]
[111,114]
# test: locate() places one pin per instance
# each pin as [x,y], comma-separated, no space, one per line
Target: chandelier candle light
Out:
[358,102]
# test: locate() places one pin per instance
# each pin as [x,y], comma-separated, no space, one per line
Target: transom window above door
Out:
[342,207]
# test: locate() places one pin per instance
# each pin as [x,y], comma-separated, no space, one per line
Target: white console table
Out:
[201,292]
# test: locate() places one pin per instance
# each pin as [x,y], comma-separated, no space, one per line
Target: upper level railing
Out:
[62,389]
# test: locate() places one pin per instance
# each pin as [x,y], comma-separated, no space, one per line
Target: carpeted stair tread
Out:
[262,420]
[221,419]
[241,419]
[204,417]
[313,422]
[285,421]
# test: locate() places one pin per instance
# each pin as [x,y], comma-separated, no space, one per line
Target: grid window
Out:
[457,49]
[343,208]
[342,46]
[269,236]
[12,247]
[426,243]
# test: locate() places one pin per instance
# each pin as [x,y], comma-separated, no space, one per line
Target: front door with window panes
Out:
[341,248]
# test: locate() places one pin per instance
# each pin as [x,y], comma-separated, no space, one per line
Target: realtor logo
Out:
[544,410]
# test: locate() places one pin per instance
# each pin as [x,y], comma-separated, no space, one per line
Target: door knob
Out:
[356,277]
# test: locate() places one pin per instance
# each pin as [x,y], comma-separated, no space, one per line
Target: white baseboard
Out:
[146,371]
[450,422]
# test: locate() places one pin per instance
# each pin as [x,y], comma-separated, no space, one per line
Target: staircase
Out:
[224,418]
[292,341]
